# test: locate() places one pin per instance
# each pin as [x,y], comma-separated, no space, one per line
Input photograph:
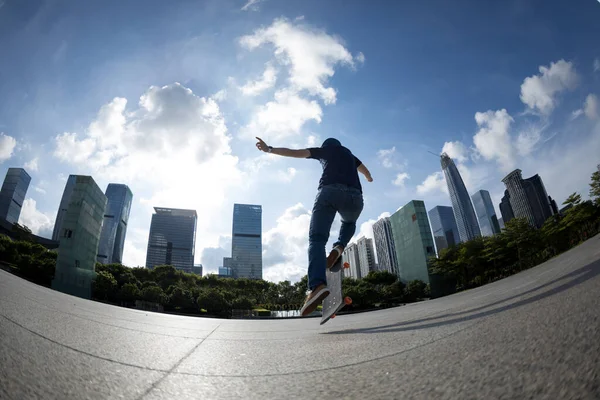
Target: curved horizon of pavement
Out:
[531,335]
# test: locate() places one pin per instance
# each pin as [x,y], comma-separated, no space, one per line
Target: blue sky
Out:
[168,97]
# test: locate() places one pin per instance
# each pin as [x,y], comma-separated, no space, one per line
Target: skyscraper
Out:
[466,221]
[172,238]
[384,245]
[501,223]
[246,242]
[505,208]
[12,194]
[79,238]
[488,221]
[528,198]
[366,255]
[114,228]
[413,240]
[62,208]
[350,255]
[539,199]
[443,225]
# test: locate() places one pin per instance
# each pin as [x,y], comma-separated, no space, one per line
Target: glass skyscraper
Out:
[62,208]
[527,198]
[488,221]
[443,225]
[539,200]
[413,240]
[246,242]
[384,245]
[505,208]
[366,255]
[172,239]
[12,194]
[114,228]
[79,238]
[466,221]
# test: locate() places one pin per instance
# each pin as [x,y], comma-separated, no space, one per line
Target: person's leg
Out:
[349,212]
[320,223]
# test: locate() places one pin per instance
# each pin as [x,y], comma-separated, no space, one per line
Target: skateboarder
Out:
[339,191]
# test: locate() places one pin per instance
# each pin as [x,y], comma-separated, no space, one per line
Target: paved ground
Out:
[534,335]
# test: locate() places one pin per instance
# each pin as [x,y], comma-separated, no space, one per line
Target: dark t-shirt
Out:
[339,166]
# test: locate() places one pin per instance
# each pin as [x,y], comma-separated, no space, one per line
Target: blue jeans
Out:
[330,200]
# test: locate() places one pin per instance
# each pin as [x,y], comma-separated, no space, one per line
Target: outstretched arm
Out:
[363,170]
[282,151]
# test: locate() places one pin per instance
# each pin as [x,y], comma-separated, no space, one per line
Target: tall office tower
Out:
[350,255]
[79,238]
[246,243]
[501,223]
[114,228]
[553,205]
[466,221]
[505,208]
[443,225]
[62,208]
[539,199]
[384,246]
[172,238]
[366,255]
[197,269]
[414,243]
[12,194]
[488,221]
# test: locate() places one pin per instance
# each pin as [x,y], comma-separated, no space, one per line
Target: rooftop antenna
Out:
[431,152]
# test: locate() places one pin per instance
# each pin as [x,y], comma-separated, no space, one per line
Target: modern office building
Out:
[539,200]
[528,198]
[172,238]
[246,242]
[62,208]
[225,272]
[79,238]
[12,195]
[197,269]
[465,217]
[384,246]
[350,255]
[413,240]
[366,255]
[486,214]
[505,208]
[114,228]
[443,226]
[501,223]
[553,205]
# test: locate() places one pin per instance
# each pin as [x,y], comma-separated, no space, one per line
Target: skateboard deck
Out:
[334,301]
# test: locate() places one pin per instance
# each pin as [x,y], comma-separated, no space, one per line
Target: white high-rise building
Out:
[350,256]
[366,255]
[384,246]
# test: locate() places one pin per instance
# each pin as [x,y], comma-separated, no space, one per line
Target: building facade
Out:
[413,240]
[465,217]
[79,238]
[384,246]
[528,198]
[486,214]
[114,228]
[172,238]
[62,208]
[366,255]
[246,242]
[350,255]
[443,226]
[506,209]
[539,200]
[12,195]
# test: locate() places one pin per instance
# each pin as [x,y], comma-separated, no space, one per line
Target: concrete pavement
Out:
[532,335]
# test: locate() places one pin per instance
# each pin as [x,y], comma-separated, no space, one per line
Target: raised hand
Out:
[261,145]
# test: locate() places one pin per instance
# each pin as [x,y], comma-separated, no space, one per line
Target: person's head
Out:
[331,142]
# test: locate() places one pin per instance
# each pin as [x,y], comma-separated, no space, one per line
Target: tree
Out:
[129,293]
[595,186]
[573,200]
[414,290]
[104,286]
[213,301]
[380,278]
[242,303]
[154,294]
[181,298]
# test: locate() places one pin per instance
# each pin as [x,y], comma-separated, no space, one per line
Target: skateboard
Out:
[334,302]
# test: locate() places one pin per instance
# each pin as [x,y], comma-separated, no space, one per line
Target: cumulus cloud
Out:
[32,165]
[433,183]
[591,107]
[311,55]
[7,146]
[455,150]
[400,179]
[386,157]
[540,91]
[268,79]
[492,140]
[40,224]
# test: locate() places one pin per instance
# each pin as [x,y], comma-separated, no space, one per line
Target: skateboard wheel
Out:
[347,300]
[333,316]
[346,265]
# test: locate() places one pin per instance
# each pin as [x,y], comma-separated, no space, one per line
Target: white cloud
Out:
[400,179]
[455,150]
[39,223]
[212,257]
[528,138]
[32,165]
[251,5]
[597,65]
[310,54]
[268,79]
[576,114]
[386,157]
[493,140]
[221,95]
[283,117]
[433,183]
[7,146]
[360,57]
[591,106]
[540,91]
[287,175]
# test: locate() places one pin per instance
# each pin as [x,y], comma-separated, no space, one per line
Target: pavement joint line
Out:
[177,364]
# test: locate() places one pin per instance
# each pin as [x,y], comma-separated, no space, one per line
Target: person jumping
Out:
[339,191]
